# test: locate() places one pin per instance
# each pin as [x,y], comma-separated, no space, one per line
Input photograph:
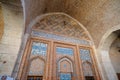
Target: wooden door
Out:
[35,78]
[89,78]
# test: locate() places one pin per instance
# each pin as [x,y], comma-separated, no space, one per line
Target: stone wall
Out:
[32,8]
[11,40]
[115,55]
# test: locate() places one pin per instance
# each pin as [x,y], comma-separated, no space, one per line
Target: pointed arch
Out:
[68,60]
[84,34]
[103,53]
[37,57]
[36,66]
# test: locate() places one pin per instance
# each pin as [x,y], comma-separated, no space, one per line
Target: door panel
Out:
[35,78]
[89,78]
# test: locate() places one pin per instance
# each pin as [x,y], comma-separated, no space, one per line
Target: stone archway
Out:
[107,69]
[39,68]
[114,54]
[71,29]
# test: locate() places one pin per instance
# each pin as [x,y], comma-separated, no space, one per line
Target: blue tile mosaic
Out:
[39,48]
[66,51]
[65,76]
[59,38]
[85,55]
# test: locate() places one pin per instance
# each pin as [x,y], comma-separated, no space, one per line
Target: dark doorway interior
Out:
[89,78]
[118,74]
[35,78]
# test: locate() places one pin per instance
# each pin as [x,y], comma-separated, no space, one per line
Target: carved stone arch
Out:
[107,34]
[40,19]
[103,54]
[35,57]
[86,62]
[64,19]
[40,62]
[65,59]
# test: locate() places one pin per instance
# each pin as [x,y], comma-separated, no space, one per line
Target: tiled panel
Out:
[39,48]
[86,62]
[59,38]
[64,51]
[85,55]
[65,76]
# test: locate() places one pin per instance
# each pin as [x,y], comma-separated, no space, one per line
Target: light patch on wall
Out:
[1,22]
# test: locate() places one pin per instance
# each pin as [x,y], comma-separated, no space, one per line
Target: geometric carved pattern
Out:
[62,25]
